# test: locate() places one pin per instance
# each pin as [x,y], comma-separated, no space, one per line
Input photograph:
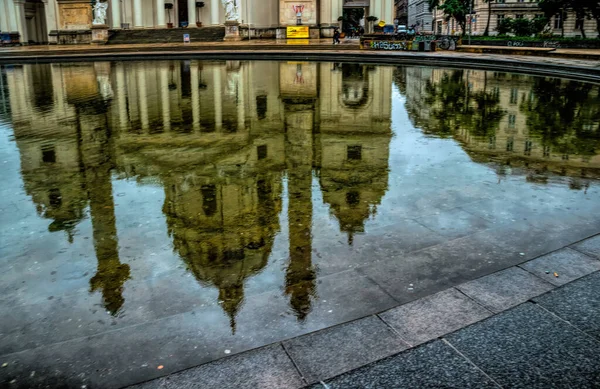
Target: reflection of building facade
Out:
[512,132]
[41,21]
[223,138]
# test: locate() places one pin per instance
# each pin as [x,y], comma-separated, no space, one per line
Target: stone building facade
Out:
[514,9]
[419,15]
[49,21]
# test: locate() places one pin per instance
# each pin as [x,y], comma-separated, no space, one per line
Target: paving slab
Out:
[589,246]
[578,303]
[437,268]
[528,347]
[434,365]
[505,289]
[431,317]
[454,223]
[330,352]
[129,355]
[568,264]
[268,367]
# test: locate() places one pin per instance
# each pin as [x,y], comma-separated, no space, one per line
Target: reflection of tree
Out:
[450,104]
[565,115]
[488,113]
[455,106]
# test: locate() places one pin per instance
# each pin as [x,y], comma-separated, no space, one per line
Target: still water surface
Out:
[252,193]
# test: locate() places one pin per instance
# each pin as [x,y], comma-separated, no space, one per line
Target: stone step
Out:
[169,35]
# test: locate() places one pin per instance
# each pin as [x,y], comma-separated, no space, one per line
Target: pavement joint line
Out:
[560,317]
[394,330]
[475,301]
[581,252]
[447,342]
[285,350]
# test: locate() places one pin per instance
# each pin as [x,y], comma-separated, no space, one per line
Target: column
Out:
[241,101]
[138,21]
[215,8]
[121,97]
[115,9]
[3,16]
[217,97]
[13,25]
[195,96]
[143,97]
[51,20]
[21,22]
[191,13]
[160,14]
[165,102]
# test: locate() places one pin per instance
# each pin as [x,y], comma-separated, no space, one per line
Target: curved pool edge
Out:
[502,63]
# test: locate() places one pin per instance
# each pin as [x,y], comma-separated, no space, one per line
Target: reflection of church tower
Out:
[299,123]
[96,158]
[354,142]
[60,165]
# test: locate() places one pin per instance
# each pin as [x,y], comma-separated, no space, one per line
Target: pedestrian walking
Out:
[336,36]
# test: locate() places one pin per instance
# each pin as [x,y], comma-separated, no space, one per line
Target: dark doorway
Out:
[182,12]
[352,17]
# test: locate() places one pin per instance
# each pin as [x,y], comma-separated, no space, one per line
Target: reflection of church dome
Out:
[353,198]
[222,238]
[354,176]
[355,86]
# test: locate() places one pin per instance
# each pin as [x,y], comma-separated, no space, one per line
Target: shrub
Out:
[505,26]
[522,27]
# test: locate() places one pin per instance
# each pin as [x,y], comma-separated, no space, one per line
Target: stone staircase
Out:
[170,35]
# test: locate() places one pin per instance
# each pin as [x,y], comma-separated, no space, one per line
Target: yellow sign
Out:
[298,32]
[299,42]
[382,23]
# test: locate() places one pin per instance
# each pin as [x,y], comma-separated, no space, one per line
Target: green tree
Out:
[457,9]
[522,27]
[538,24]
[505,26]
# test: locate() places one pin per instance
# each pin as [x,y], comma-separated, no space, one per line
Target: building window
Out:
[512,120]
[55,198]
[261,107]
[500,1]
[48,154]
[492,144]
[528,147]
[352,198]
[354,153]
[519,16]
[514,95]
[499,19]
[209,199]
[558,22]
[579,24]
[439,27]
[510,144]
[261,152]
[546,151]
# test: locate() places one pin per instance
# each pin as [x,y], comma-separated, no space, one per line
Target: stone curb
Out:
[519,65]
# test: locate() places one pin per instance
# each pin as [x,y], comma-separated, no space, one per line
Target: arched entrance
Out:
[36,31]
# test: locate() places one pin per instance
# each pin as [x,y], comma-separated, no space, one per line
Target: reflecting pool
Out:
[168,212]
